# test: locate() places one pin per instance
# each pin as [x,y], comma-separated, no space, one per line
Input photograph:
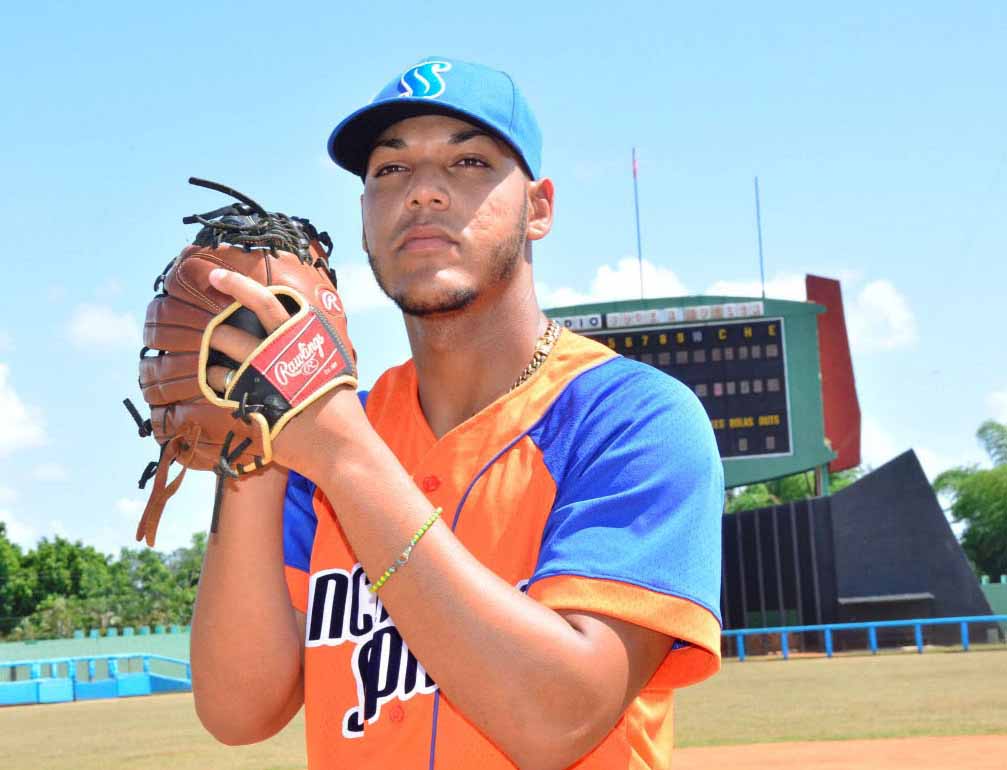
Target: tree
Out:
[63,568]
[55,617]
[60,586]
[16,585]
[785,489]
[979,499]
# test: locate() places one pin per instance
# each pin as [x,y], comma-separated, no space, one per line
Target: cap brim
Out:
[351,142]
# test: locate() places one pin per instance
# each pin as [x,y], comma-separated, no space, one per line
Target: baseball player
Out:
[507,553]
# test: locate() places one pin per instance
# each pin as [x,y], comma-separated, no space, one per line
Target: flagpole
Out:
[636,205]
[758,226]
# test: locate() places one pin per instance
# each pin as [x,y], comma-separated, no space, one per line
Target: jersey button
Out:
[430,483]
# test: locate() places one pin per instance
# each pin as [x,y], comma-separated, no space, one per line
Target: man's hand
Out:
[228,426]
[294,446]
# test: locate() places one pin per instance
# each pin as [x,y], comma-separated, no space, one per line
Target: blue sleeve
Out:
[299,522]
[639,488]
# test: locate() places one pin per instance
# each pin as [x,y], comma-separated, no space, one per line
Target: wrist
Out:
[314,441]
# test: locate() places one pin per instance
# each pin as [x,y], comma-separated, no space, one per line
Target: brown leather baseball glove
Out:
[231,432]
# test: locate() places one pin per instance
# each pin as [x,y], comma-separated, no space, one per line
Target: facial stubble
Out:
[504,261]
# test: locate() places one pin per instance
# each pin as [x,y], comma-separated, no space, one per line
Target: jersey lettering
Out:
[341,609]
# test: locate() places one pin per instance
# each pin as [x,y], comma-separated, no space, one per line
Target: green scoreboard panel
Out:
[763,399]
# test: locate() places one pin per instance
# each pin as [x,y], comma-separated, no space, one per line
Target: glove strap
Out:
[181,447]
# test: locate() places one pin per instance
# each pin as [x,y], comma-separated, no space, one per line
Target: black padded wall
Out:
[779,566]
[882,542]
[891,538]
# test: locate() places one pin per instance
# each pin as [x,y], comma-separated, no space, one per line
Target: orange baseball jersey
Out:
[594,486]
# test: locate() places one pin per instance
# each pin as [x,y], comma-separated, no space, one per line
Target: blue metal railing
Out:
[67,667]
[871,626]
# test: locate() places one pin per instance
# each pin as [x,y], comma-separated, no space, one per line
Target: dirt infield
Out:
[975,752]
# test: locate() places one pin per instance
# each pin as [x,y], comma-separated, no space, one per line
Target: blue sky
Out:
[877,132]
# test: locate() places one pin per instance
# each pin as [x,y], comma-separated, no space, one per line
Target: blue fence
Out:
[92,677]
[870,626]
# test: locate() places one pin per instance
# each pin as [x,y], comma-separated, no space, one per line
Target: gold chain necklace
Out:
[543,348]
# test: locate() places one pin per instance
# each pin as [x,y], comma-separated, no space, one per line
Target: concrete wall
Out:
[996,595]
[171,645]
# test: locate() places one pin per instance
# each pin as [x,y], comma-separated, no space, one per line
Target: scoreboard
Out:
[737,368]
[754,364]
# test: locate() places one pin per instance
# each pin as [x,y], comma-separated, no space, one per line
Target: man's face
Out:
[444,214]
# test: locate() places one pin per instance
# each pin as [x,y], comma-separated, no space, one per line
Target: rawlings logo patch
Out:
[305,362]
[424,80]
[302,358]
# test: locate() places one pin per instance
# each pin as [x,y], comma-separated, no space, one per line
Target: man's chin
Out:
[428,307]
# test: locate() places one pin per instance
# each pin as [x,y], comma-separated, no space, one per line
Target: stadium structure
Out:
[776,379]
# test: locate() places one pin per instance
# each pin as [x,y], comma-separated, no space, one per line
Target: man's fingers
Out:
[233,342]
[216,376]
[252,295]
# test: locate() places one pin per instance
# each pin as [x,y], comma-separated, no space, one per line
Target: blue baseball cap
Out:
[437,85]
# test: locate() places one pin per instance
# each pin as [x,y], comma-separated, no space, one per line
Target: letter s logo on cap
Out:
[424,80]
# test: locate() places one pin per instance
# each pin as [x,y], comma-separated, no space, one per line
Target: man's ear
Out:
[540,208]
[363,233]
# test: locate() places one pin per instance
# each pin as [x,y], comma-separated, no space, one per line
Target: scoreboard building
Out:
[776,380]
[752,363]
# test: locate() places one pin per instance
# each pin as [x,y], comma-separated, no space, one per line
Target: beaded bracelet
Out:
[400,562]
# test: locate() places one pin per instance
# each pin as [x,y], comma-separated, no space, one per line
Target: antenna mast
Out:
[636,204]
[758,227]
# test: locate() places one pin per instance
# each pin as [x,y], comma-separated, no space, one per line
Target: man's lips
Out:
[425,238]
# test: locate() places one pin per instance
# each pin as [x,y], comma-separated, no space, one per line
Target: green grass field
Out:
[863,696]
[751,702]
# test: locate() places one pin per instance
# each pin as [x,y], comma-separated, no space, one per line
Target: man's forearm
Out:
[515,668]
[246,644]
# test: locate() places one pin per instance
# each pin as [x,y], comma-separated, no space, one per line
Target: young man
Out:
[551,510]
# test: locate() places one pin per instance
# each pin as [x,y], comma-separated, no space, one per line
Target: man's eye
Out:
[388,169]
[473,162]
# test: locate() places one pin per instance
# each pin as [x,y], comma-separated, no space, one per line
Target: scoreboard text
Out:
[737,369]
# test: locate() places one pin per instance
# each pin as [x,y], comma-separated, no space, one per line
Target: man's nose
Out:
[428,189]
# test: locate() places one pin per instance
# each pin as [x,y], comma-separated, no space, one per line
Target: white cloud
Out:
[997,402]
[615,283]
[108,290]
[934,463]
[782,286]
[99,327]
[21,425]
[7,495]
[50,472]
[358,289]
[130,508]
[879,319]
[877,445]
[878,316]
[58,529]
[18,531]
